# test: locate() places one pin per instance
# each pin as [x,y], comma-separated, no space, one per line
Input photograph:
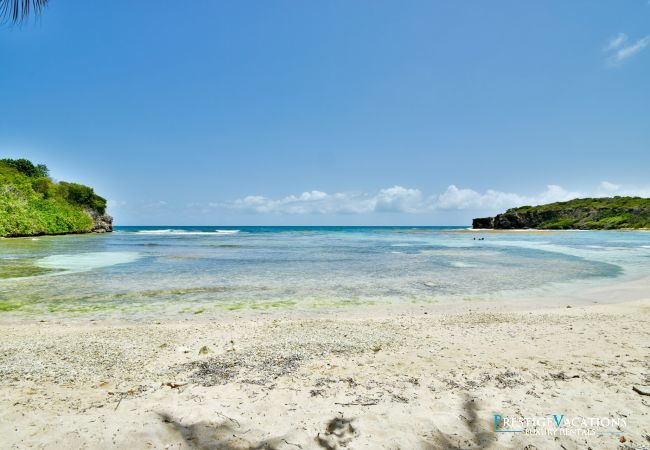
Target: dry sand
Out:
[398,378]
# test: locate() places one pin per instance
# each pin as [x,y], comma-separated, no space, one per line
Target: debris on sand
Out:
[641,390]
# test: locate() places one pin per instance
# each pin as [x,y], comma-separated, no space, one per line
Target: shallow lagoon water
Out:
[202,268]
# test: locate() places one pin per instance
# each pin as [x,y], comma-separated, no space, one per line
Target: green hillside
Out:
[584,213]
[31,203]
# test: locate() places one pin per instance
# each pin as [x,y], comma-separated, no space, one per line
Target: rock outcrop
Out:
[483,222]
[102,223]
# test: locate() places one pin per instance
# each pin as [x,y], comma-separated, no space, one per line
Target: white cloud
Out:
[155,204]
[554,193]
[398,199]
[610,187]
[394,199]
[619,50]
[616,42]
[455,198]
[633,49]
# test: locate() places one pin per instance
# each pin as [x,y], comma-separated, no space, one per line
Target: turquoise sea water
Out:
[197,269]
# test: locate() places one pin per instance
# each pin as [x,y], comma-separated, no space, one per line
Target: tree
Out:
[83,196]
[42,170]
[19,10]
[27,167]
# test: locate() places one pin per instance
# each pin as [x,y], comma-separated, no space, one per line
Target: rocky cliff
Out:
[583,214]
[102,223]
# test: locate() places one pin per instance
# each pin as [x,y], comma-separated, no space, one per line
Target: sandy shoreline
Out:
[400,379]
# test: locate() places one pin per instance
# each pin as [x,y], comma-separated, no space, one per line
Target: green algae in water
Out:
[156,293]
[81,309]
[22,268]
[341,303]
[6,306]
[233,305]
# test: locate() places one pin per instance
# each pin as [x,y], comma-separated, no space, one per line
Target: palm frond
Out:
[18,10]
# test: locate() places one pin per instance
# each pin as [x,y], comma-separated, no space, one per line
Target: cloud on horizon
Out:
[394,199]
[399,199]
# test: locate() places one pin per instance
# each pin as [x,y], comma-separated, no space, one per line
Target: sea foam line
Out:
[187,232]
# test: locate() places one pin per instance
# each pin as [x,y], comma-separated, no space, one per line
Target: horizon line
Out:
[267,225]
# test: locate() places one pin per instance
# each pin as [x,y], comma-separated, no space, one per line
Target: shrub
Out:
[561,224]
[42,186]
[83,196]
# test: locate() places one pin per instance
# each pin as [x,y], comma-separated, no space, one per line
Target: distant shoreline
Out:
[602,213]
[22,236]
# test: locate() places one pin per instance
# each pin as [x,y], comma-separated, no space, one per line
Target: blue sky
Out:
[331,112]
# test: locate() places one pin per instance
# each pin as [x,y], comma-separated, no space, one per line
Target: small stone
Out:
[204,350]
[182,349]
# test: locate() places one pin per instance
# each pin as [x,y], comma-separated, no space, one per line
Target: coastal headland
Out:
[606,213]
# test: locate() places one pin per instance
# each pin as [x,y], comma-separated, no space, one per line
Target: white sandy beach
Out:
[386,377]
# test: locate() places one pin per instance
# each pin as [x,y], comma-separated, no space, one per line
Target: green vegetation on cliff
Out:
[31,203]
[583,213]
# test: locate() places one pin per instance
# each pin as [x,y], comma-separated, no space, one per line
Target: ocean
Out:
[199,269]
